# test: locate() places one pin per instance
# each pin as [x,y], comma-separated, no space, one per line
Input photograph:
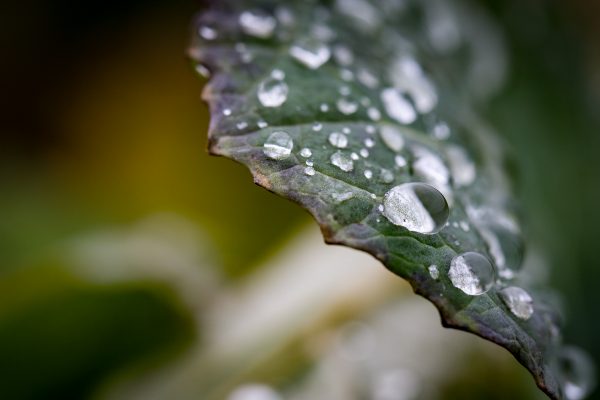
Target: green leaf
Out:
[334,104]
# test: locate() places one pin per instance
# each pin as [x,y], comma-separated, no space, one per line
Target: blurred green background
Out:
[118,233]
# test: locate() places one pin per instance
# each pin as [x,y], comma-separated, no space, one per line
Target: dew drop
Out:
[324,107]
[338,140]
[367,78]
[310,163]
[278,74]
[340,197]
[227,112]
[310,171]
[472,273]
[407,75]
[418,207]
[257,24]
[346,130]
[441,131]
[369,142]
[374,114]
[207,33]
[386,176]
[430,167]
[262,124]
[306,152]
[461,166]
[272,92]
[344,90]
[368,173]
[577,373]
[254,391]
[317,127]
[397,106]
[346,75]
[342,161]
[370,129]
[343,55]
[518,301]
[203,71]
[434,271]
[278,146]
[311,54]
[400,161]
[364,153]
[354,156]
[346,107]
[392,137]
[242,125]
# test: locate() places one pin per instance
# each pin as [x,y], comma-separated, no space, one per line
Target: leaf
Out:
[334,104]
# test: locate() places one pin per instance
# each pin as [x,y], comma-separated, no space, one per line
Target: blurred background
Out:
[135,266]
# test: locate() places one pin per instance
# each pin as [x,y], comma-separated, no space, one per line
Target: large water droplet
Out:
[418,207]
[472,273]
[397,106]
[257,24]
[461,166]
[278,146]
[518,301]
[338,140]
[272,92]
[310,53]
[342,161]
[392,137]
[577,373]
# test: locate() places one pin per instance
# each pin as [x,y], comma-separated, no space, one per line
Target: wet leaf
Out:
[365,113]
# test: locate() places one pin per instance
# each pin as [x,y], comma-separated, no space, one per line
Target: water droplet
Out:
[202,71]
[407,75]
[430,167]
[272,92]
[518,301]
[380,208]
[346,75]
[370,129]
[392,137]
[317,127]
[278,74]
[310,171]
[354,156]
[364,153]
[418,207]
[254,391]
[306,152]
[257,24]
[278,146]
[577,373]
[369,142]
[346,107]
[338,140]
[368,173]
[310,163]
[400,161]
[367,78]
[324,107]
[262,124]
[311,54]
[344,90]
[207,33]
[441,131]
[346,130]
[227,112]
[374,114]
[242,125]
[461,166]
[433,271]
[342,161]
[397,106]
[472,273]
[340,197]
[386,176]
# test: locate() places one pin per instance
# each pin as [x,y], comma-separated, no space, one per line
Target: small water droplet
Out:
[364,153]
[202,71]
[311,54]
[365,101]
[518,301]
[342,161]
[310,163]
[461,166]
[369,142]
[317,127]
[407,75]
[365,77]
[354,156]
[306,152]
[577,372]
[430,167]
[397,106]
[257,24]
[472,273]
[242,125]
[207,33]
[346,130]
[368,173]
[272,92]
[370,129]
[278,74]
[343,55]
[227,112]
[441,131]
[386,176]
[418,207]
[340,197]
[374,114]
[346,107]
[434,272]
[380,208]
[464,225]
[338,140]
[310,171]
[346,75]
[324,107]
[344,90]
[392,137]
[400,161]
[278,146]
[254,391]
[262,124]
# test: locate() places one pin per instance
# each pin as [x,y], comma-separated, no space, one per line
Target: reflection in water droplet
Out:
[346,107]
[472,273]
[257,24]
[434,271]
[463,169]
[338,140]
[418,207]
[392,137]
[306,152]
[272,92]
[310,53]
[577,372]
[342,161]
[254,391]
[397,106]
[278,146]
[518,301]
